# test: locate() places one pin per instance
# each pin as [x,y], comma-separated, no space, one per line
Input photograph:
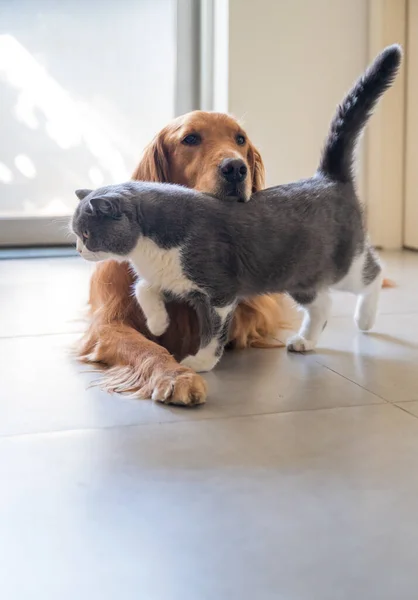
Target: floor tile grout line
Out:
[406,401]
[181,421]
[404,409]
[352,381]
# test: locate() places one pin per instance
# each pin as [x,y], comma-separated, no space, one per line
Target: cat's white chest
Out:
[159,267]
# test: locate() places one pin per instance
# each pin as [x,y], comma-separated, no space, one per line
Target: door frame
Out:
[410,234]
[385,138]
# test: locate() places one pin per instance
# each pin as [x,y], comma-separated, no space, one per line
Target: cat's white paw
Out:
[367,304]
[297,343]
[200,364]
[158,323]
[365,319]
[205,359]
[365,315]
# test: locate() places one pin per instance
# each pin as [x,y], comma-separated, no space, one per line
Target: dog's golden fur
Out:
[117,339]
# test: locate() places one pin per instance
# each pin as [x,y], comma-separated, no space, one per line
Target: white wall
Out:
[290,63]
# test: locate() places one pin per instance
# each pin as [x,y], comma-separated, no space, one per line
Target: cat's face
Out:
[105,225]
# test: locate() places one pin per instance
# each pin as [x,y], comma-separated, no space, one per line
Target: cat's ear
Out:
[81,194]
[108,207]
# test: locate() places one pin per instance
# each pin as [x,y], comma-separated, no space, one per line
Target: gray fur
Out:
[298,238]
[110,218]
[291,238]
[208,319]
[371,267]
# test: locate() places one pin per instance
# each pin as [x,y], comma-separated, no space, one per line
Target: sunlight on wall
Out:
[76,111]
[69,123]
[96,176]
[6,176]
[24,164]
[56,207]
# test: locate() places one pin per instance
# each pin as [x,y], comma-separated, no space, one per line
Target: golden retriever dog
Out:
[212,153]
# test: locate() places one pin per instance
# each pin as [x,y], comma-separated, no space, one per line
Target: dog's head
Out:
[207,151]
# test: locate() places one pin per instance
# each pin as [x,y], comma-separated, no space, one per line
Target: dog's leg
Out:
[317,309]
[152,304]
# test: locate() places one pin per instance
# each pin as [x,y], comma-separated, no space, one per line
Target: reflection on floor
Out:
[298,480]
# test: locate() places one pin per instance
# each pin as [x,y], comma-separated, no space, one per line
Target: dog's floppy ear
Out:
[81,194]
[108,207]
[154,163]
[257,169]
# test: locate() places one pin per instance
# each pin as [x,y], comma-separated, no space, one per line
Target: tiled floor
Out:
[297,481]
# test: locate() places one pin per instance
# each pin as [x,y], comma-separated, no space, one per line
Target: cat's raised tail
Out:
[353,113]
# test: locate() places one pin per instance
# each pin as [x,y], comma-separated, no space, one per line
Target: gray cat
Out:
[302,238]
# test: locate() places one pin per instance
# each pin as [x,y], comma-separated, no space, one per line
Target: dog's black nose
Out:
[234,170]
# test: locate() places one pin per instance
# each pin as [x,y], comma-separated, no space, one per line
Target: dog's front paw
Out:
[298,343]
[158,323]
[183,388]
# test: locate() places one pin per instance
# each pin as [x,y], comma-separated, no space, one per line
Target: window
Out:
[84,86]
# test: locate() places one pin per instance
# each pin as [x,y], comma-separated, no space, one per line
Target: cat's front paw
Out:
[158,323]
[297,343]
[200,364]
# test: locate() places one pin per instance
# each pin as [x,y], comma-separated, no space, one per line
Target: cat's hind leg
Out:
[364,279]
[368,297]
[317,308]
[152,304]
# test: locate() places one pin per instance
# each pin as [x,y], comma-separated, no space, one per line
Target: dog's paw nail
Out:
[183,389]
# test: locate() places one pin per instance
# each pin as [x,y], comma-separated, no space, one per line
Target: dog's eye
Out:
[85,234]
[240,139]
[193,139]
